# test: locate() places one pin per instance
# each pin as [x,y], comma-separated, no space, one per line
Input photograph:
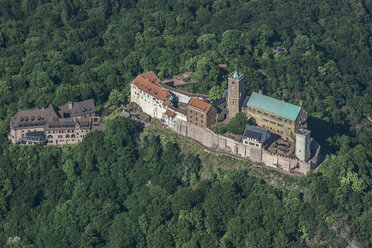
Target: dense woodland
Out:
[122,188]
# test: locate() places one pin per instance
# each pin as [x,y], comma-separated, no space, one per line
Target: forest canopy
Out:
[114,189]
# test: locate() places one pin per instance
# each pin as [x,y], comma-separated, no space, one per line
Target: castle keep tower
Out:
[303,144]
[235,89]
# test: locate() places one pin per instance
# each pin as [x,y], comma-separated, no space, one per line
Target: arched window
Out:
[67,136]
[72,135]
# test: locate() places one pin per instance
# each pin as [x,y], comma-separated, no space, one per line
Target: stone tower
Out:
[303,144]
[235,91]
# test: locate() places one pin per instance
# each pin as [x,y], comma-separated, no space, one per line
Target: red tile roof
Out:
[170,113]
[148,82]
[199,105]
[151,76]
[166,102]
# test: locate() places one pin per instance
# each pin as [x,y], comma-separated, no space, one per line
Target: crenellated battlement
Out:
[192,116]
[223,144]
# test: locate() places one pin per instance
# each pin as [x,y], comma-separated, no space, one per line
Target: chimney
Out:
[301,104]
[260,91]
[70,104]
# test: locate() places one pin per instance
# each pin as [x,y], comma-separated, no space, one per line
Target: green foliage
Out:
[219,129]
[120,189]
[215,93]
[116,98]
[237,124]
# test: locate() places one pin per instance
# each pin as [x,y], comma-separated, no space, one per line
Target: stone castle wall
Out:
[221,143]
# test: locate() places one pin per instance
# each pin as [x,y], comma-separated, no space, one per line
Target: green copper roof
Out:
[274,106]
[236,74]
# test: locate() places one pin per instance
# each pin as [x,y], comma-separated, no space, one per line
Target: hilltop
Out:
[114,190]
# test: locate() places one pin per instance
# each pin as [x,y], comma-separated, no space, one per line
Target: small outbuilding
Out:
[255,136]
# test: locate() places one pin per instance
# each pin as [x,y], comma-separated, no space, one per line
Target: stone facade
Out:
[278,124]
[274,123]
[224,144]
[67,124]
[235,91]
[201,113]
[193,119]
[221,106]
[303,144]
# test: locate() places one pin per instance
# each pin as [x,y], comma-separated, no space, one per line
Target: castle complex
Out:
[277,135]
[67,124]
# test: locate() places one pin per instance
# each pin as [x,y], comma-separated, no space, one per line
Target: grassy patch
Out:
[218,164]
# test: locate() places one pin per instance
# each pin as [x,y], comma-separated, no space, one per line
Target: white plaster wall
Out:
[181,97]
[170,122]
[149,104]
[302,149]
[181,117]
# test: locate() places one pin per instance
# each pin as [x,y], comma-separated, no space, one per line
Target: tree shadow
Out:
[321,130]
